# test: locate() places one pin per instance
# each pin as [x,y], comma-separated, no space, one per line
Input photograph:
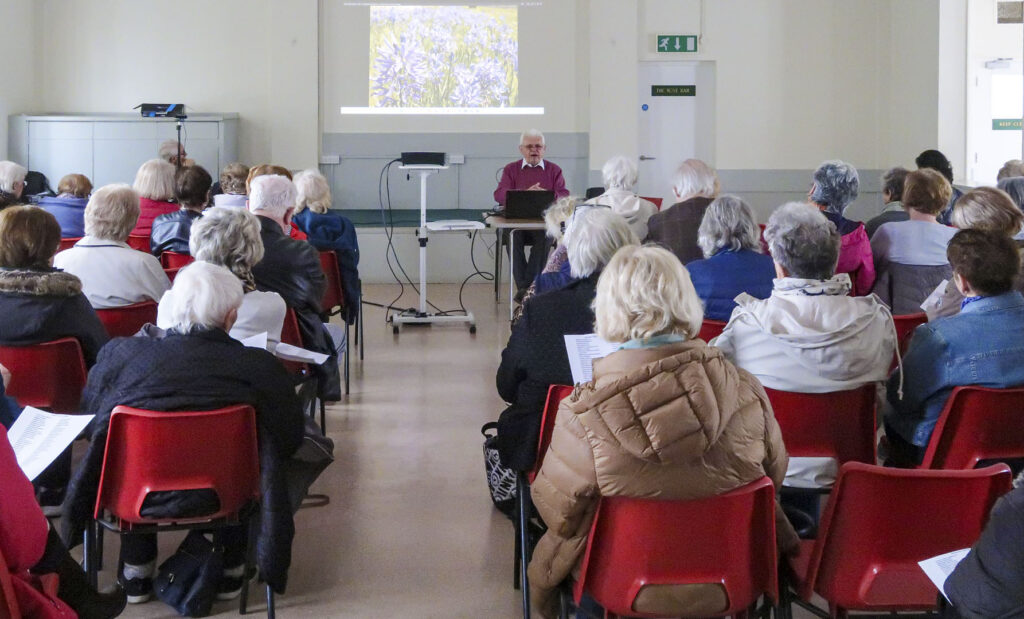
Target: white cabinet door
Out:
[56,149]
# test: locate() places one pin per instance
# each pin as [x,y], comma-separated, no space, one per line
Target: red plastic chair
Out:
[139,242]
[149,451]
[556,393]
[726,540]
[838,425]
[655,201]
[710,329]
[174,260]
[977,424]
[126,321]
[50,375]
[68,243]
[905,326]
[333,301]
[172,273]
[879,523]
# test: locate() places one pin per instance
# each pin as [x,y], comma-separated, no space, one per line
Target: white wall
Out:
[17,72]
[254,57]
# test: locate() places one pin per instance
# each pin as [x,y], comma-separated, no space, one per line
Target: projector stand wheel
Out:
[472,329]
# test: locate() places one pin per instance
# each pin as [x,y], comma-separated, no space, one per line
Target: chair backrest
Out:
[139,242]
[556,393]
[290,334]
[726,540]
[710,329]
[593,192]
[68,243]
[839,425]
[50,375]
[151,451]
[880,522]
[333,296]
[905,326]
[655,201]
[8,600]
[977,424]
[172,273]
[174,260]
[125,321]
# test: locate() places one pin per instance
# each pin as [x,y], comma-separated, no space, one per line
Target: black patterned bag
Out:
[501,480]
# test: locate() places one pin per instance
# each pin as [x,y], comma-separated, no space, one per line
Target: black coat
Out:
[203,370]
[535,359]
[40,306]
[171,231]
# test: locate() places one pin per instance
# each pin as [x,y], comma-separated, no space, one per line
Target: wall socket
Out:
[456,159]
[330,159]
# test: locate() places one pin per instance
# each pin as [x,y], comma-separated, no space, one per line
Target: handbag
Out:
[189,579]
[501,480]
[314,455]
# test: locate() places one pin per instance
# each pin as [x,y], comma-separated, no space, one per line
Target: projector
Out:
[160,110]
[423,159]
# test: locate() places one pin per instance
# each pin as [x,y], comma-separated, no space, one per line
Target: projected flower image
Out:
[444,56]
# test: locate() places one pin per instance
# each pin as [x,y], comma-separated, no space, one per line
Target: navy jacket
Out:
[70,214]
[331,231]
[720,278]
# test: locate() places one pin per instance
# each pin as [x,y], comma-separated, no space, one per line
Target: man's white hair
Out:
[619,173]
[696,179]
[169,149]
[155,180]
[531,133]
[11,173]
[593,236]
[271,195]
[202,296]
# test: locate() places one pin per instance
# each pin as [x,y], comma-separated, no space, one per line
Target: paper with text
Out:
[582,350]
[294,353]
[939,568]
[39,437]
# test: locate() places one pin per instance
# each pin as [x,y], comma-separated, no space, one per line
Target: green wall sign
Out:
[1007,124]
[688,90]
[677,43]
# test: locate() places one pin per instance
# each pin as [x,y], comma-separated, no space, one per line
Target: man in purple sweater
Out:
[530,173]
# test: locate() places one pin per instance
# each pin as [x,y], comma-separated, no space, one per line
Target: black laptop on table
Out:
[526,204]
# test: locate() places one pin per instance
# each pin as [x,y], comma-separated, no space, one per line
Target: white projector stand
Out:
[422,316]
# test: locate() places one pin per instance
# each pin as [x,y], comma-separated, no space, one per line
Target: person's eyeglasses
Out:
[568,222]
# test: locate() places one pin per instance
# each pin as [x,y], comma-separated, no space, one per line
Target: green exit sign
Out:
[673,43]
[1007,124]
[682,90]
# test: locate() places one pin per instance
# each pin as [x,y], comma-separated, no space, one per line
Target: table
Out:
[500,223]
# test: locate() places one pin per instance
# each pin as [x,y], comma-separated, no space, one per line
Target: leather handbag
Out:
[189,579]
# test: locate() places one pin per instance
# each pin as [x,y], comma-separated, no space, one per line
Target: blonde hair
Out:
[696,179]
[77,185]
[155,180]
[988,208]
[556,216]
[643,292]
[311,190]
[112,212]
[265,169]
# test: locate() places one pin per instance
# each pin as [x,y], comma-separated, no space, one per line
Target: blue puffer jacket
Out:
[720,278]
[70,214]
[331,231]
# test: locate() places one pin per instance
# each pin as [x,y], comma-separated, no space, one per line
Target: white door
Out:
[994,125]
[672,97]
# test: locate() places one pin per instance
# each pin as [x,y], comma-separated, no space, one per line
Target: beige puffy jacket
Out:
[676,421]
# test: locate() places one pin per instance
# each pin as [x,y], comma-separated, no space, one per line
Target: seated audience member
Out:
[112,273]
[556,272]
[196,366]
[1014,187]
[982,208]
[675,228]
[173,152]
[230,237]
[989,582]
[12,183]
[935,160]
[619,175]
[263,170]
[291,268]
[68,206]
[910,256]
[40,303]
[733,262]
[154,183]
[835,186]
[1013,167]
[232,186]
[892,194]
[170,231]
[32,549]
[982,345]
[328,230]
[809,336]
[535,356]
[665,416]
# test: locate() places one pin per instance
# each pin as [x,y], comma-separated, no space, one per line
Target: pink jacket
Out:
[855,259]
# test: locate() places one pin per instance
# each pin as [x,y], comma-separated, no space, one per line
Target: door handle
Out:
[646,158]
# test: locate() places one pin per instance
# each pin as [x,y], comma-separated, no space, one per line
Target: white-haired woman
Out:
[154,182]
[733,262]
[809,336]
[112,273]
[665,416]
[328,230]
[197,366]
[12,183]
[230,237]
[535,355]
[619,175]
[835,187]
[675,228]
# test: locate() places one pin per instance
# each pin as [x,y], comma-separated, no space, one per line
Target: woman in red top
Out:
[155,183]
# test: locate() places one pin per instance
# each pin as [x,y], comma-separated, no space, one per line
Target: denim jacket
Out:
[982,345]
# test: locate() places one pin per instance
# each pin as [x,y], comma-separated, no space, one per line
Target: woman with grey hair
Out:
[619,175]
[230,237]
[835,186]
[12,183]
[535,355]
[112,273]
[695,185]
[809,336]
[733,262]
[892,195]
[1014,187]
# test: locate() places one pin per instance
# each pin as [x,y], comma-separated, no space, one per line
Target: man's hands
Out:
[535,187]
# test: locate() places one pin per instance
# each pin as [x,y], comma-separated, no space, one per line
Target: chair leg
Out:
[323,418]
[360,336]
[346,357]
[563,604]
[99,548]
[523,502]
[270,603]
[516,559]
[250,535]
[88,541]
